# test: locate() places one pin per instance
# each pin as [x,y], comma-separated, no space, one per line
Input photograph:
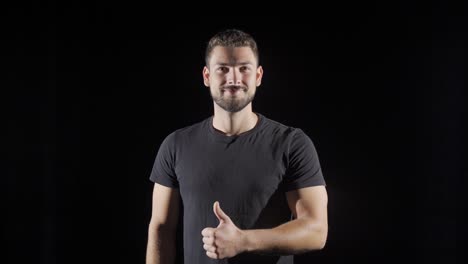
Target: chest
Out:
[229,170]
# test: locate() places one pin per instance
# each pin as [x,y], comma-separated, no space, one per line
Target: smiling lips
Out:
[233,90]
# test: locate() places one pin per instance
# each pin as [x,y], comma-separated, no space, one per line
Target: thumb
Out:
[220,214]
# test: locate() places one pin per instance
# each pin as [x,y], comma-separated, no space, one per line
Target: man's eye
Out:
[223,69]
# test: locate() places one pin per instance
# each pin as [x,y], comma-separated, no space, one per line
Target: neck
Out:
[234,123]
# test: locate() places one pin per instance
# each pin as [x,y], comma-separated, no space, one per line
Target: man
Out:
[251,189]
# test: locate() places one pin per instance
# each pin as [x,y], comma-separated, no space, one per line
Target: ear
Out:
[259,75]
[206,76]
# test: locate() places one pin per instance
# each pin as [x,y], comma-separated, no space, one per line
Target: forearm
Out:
[294,237]
[161,247]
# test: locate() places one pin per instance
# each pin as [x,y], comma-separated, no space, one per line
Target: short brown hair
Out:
[231,38]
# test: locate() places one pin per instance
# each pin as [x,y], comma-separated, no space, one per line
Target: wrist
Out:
[247,243]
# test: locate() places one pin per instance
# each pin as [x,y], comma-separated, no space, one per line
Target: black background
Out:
[91,90]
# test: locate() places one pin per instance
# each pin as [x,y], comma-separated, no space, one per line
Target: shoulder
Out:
[188,132]
[281,129]
[277,127]
[295,137]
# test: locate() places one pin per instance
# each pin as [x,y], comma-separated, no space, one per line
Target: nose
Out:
[233,77]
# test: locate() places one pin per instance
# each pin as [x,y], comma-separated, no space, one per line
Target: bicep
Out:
[310,202]
[165,206]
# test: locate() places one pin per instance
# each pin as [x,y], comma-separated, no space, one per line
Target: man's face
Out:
[233,77]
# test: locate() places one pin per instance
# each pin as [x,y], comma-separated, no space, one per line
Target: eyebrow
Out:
[227,64]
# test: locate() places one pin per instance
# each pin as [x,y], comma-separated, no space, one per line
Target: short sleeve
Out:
[163,171]
[304,166]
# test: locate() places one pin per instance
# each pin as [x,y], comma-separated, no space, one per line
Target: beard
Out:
[230,103]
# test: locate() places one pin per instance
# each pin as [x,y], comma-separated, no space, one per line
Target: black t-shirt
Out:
[248,174]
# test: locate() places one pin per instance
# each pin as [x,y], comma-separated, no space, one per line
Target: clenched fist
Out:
[224,241]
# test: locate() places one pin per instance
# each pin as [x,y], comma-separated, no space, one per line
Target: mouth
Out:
[233,89]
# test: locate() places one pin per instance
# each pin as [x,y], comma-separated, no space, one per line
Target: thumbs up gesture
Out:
[224,241]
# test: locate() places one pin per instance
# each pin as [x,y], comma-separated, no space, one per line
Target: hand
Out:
[224,241]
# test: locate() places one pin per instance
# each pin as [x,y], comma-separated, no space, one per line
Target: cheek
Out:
[251,76]
[216,80]
[252,80]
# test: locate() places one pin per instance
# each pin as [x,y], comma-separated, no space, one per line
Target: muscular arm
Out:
[163,225]
[305,233]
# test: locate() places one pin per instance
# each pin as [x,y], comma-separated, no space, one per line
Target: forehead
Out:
[232,55]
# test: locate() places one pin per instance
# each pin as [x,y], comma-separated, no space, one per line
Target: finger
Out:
[212,255]
[220,214]
[209,248]
[208,240]
[208,232]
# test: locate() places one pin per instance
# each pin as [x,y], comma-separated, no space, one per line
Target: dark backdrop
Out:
[91,91]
